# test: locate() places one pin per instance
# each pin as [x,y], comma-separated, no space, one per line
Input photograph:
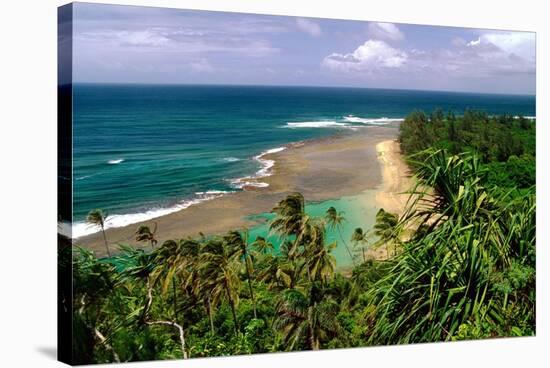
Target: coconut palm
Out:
[335,221]
[386,228]
[235,241]
[144,268]
[281,271]
[140,265]
[276,272]
[290,213]
[359,237]
[219,272]
[144,233]
[175,267]
[97,218]
[92,285]
[306,318]
[319,262]
[262,245]
[289,219]
[179,260]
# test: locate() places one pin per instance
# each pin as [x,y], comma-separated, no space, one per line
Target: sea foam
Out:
[80,229]
[83,177]
[373,121]
[230,159]
[265,170]
[317,124]
[116,161]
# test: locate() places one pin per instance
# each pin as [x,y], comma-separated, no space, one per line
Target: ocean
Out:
[141,151]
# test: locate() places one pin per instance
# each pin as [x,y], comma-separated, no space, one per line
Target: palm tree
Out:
[262,245]
[180,259]
[335,220]
[235,241]
[93,284]
[306,318]
[144,233]
[140,265]
[276,272]
[319,263]
[289,220]
[360,237]
[386,228]
[175,265]
[281,271]
[97,218]
[219,272]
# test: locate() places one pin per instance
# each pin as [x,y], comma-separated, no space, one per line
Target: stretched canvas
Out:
[236,183]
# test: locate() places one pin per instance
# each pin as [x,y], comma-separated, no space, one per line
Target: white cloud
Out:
[309,26]
[176,40]
[521,44]
[474,42]
[490,55]
[142,38]
[372,55]
[385,31]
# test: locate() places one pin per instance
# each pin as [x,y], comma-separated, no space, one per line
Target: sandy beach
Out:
[396,177]
[341,165]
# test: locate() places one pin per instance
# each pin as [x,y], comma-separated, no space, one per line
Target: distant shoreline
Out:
[342,164]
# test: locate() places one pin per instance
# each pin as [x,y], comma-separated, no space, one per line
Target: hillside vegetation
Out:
[467,270]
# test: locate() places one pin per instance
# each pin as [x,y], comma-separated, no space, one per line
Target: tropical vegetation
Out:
[460,264]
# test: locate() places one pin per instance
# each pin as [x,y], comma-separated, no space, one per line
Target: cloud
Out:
[494,53]
[173,40]
[474,42]
[385,31]
[373,55]
[522,44]
[142,38]
[309,26]
[490,55]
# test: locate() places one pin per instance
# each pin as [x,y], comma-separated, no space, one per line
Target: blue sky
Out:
[126,44]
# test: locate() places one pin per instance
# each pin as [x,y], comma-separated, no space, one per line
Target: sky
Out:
[130,44]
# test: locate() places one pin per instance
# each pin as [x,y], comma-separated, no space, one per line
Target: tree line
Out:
[505,144]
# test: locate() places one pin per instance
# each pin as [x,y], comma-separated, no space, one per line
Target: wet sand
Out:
[341,165]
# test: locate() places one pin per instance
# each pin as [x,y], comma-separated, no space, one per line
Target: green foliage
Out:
[144,234]
[504,144]
[457,278]
[517,172]
[467,271]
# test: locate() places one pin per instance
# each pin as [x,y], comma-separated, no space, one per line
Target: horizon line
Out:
[299,86]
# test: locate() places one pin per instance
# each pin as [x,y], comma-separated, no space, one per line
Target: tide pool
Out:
[358,210]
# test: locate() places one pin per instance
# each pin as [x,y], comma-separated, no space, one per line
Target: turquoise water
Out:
[358,211]
[141,151]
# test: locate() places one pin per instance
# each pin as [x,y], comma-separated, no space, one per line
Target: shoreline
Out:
[392,193]
[396,178]
[342,164]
